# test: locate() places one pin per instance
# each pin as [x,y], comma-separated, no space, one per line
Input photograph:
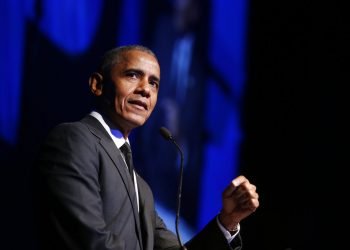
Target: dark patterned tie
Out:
[126,150]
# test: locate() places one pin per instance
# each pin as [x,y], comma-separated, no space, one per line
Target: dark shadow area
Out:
[290,123]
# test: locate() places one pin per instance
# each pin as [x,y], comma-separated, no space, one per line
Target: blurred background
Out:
[247,87]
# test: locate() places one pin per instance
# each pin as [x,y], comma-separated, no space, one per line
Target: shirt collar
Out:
[115,134]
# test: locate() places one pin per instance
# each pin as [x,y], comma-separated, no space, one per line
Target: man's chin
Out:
[137,121]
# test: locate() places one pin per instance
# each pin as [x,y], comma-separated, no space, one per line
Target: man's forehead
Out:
[138,60]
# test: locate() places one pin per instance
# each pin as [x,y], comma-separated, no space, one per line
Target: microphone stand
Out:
[167,135]
[179,193]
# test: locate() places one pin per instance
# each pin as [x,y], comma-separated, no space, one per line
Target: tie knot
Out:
[126,149]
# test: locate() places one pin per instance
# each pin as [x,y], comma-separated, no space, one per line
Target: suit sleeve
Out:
[211,237]
[71,203]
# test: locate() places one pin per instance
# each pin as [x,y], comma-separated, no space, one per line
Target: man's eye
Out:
[132,75]
[154,84]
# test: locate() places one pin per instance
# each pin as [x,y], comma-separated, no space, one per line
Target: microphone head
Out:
[165,133]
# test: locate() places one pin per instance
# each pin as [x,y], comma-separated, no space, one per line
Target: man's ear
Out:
[96,83]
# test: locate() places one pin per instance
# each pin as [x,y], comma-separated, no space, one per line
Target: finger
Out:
[235,183]
[246,197]
[245,189]
[243,194]
[250,204]
[239,180]
[248,186]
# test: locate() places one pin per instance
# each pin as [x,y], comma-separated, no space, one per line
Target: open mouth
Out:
[139,103]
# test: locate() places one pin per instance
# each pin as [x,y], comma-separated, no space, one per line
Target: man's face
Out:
[134,92]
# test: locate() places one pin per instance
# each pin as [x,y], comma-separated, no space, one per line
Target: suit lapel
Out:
[116,156]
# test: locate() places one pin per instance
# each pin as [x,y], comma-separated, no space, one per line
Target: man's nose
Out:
[144,87]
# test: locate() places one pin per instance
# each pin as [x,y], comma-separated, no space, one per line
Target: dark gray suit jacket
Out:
[87,199]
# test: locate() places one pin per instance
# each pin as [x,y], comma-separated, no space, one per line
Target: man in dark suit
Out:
[89,199]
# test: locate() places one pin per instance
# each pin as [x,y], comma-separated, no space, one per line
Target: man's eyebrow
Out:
[141,72]
[137,71]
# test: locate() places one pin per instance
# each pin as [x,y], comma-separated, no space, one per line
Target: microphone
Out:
[167,136]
